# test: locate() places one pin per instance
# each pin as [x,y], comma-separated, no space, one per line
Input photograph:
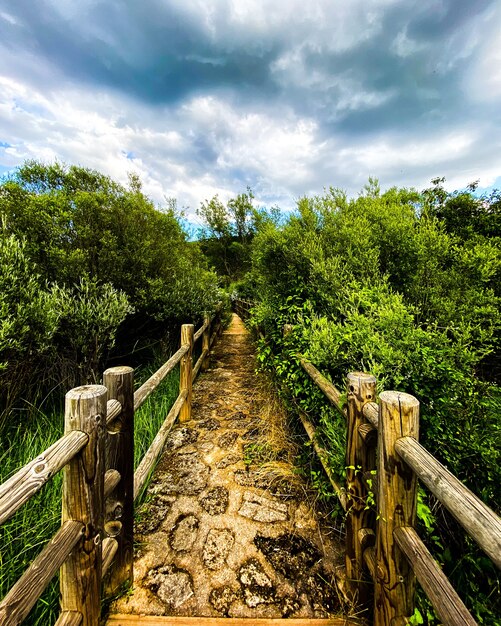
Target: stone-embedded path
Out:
[214,538]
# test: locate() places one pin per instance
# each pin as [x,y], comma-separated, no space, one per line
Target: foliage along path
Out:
[217,537]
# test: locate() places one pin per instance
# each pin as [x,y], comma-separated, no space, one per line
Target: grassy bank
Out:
[23,536]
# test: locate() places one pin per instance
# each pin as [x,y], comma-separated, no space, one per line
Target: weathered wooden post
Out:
[83,495]
[120,456]
[186,370]
[206,344]
[360,388]
[397,500]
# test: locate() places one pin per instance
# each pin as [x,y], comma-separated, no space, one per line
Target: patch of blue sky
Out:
[4,144]
[32,108]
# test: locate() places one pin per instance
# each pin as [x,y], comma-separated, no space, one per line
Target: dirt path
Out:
[215,538]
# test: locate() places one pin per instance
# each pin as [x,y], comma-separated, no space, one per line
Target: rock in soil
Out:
[172,585]
[256,585]
[222,598]
[217,548]
[261,509]
[289,554]
[183,473]
[184,533]
[216,501]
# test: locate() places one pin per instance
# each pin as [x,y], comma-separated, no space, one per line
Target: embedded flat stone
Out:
[222,598]
[256,585]
[209,424]
[184,533]
[172,585]
[229,459]
[181,437]
[151,514]
[216,501]
[227,440]
[217,548]
[261,509]
[184,473]
[289,554]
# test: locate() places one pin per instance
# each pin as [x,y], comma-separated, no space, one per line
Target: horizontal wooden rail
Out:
[16,605]
[25,483]
[114,408]
[152,383]
[323,456]
[479,521]
[329,390]
[111,480]
[110,547]
[200,331]
[69,618]
[199,364]
[434,582]
[371,413]
[156,447]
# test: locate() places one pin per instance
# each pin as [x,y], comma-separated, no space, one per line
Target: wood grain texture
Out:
[329,390]
[206,343]
[153,381]
[371,413]
[120,457]
[111,480]
[69,618]
[198,365]
[114,408]
[479,521]
[150,458]
[83,500]
[434,582]
[323,457]
[186,371]
[25,483]
[201,330]
[360,389]
[16,605]
[110,549]
[396,501]
[150,620]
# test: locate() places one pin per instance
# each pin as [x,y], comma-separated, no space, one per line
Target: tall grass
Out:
[24,535]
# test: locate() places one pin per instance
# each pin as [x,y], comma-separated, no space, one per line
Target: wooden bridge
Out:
[93,550]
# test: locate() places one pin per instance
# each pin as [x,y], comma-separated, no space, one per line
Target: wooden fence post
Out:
[397,500]
[206,344]
[119,520]
[83,495]
[361,388]
[186,370]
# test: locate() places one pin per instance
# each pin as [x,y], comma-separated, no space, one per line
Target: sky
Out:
[289,97]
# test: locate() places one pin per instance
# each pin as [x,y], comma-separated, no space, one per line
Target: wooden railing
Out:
[94,546]
[384,459]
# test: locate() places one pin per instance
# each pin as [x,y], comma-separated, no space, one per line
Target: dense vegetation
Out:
[85,264]
[89,269]
[405,285]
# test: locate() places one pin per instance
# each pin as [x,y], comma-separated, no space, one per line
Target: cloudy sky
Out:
[287,96]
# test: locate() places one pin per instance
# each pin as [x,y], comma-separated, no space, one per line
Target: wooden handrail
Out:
[479,521]
[25,483]
[434,582]
[156,447]
[153,381]
[16,605]
[88,481]
[329,390]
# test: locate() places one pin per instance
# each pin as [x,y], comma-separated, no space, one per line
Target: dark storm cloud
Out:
[288,97]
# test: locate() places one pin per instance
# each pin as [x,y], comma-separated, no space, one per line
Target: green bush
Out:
[388,284]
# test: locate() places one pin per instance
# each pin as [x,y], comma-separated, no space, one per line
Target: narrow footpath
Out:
[215,538]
